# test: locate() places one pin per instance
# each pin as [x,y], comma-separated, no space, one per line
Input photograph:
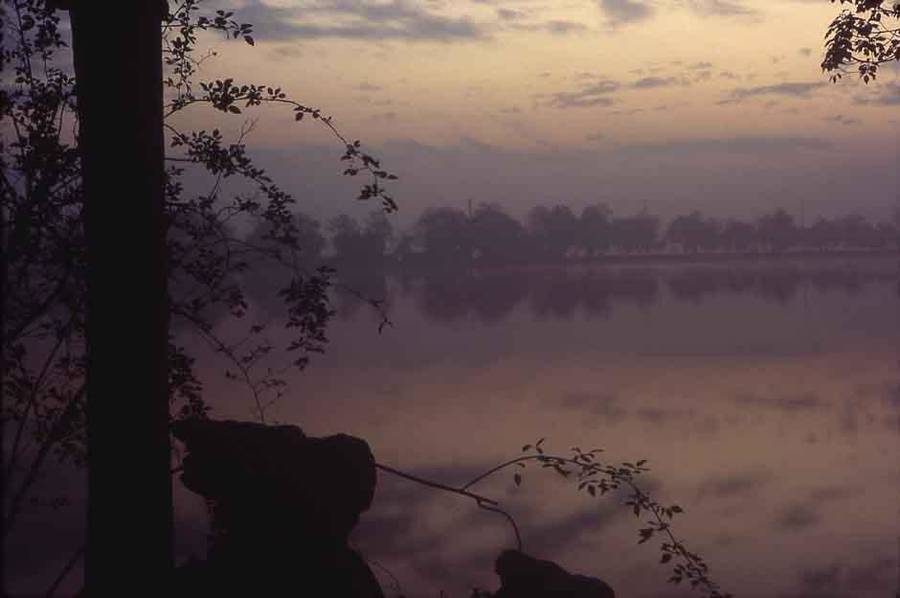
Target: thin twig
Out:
[70,564]
[437,485]
[482,501]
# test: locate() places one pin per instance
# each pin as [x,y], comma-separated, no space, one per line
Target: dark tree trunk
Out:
[118,55]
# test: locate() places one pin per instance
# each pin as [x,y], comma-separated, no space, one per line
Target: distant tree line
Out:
[489,235]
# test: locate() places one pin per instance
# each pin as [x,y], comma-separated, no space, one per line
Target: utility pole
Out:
[118,67]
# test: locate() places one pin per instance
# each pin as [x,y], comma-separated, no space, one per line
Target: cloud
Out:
[600,404]
[733,145]
[797,89]
[560,27]
[661,416]
[508,14]
[550,536]
[888,95]
[805,51]
[833,493]
[655,82]
[619,12]
[593,94]
[843,120]
[720,8]
[843,580]
[796,517]
[733,484]
[390,115]
[788,403]
[553,26]
[359,19]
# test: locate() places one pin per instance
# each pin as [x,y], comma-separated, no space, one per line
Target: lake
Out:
[764,397]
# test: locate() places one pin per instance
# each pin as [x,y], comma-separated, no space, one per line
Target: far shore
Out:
[419,263]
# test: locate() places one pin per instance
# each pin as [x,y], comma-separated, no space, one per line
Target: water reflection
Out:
[765,397]
[557,293]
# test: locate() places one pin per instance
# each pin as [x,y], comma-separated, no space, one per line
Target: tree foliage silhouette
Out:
[45,260]
[866,35]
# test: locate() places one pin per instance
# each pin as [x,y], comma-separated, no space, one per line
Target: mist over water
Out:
[764,395]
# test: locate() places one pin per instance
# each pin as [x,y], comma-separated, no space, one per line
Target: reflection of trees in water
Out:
[780,285]
[488,297]
[548,293]
[694,285]
[558,293]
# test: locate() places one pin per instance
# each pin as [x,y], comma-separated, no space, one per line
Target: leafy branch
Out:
[598,478]
[866,35]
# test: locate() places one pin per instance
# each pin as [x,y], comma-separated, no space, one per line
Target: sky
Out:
[717,105]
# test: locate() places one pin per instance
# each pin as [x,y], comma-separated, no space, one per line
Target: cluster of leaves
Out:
[867,34]
[598,478]
[180,55]
[42,201]
[43,250]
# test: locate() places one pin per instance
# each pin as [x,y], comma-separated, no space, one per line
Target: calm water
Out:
[765,399]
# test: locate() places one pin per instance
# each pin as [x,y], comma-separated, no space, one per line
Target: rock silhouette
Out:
[523,576]
[283,505]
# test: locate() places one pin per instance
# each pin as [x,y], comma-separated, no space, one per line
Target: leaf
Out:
[234,109]
[249,40]
[517,479]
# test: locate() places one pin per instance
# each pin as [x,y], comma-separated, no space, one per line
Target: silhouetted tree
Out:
[895,226]
[777,231]
[693,232]
[270,267]
[378,233]
[358,245]
[121,147]
[404,249]
[346,238]
[496,236]
[887,235]
[737,236]
[822,235]
[552,231]
[865,35]
[47,204]
[635,233]
[594,229]
[445,235]
[857,232]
